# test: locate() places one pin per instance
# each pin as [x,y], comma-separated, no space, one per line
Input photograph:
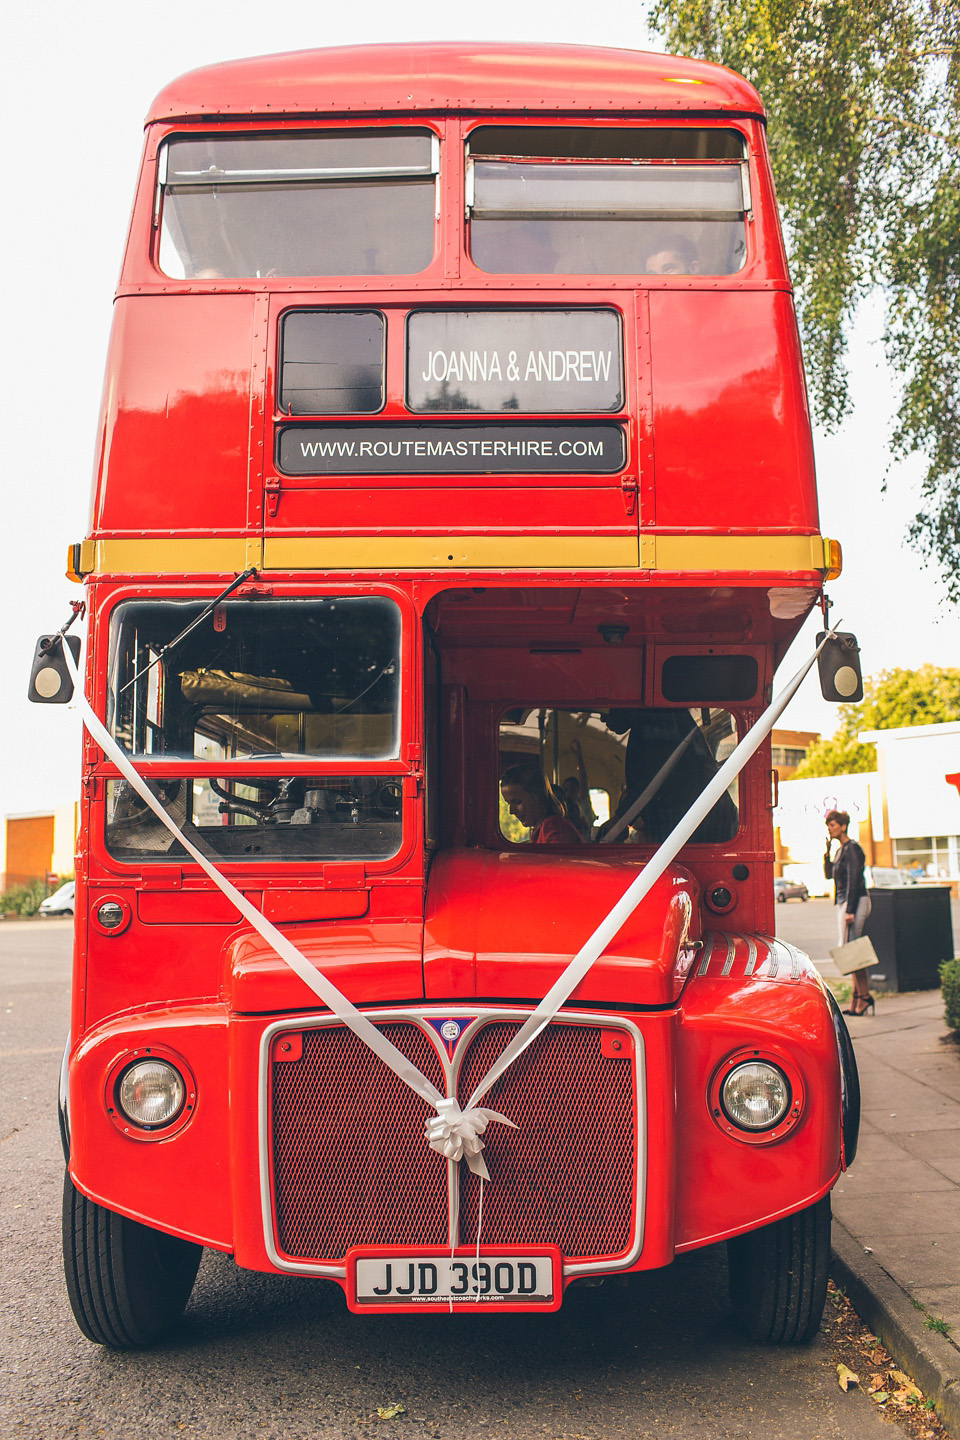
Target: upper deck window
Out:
[571,201]
[344,202]
[272,680]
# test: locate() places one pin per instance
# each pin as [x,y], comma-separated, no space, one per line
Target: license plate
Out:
[419,1280]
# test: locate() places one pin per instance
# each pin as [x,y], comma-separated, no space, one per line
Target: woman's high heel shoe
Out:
[868,1005]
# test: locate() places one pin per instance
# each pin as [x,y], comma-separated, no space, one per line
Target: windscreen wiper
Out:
[198,620]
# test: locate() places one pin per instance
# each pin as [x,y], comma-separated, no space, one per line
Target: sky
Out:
[77,81]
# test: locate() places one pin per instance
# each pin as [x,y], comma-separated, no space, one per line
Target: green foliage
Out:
[891,699]
[23,899]
[950,988]
[838,755]
[941,1327]
[864,131]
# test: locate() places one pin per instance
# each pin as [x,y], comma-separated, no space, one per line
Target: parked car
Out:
[60,902]
[789,890]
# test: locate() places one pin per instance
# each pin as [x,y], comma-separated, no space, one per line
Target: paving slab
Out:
[934,1146]
[897,1210]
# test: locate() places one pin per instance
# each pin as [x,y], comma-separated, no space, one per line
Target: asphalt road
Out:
[658,1355]
[812,925]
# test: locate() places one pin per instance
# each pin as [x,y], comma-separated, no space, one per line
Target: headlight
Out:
[151,1092]
[755,1095]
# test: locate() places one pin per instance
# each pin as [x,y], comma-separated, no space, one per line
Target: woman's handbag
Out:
[855,955]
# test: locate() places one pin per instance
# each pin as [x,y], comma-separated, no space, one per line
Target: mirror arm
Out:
[79,609]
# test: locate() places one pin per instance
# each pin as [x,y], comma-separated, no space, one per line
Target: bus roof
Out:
[455,76]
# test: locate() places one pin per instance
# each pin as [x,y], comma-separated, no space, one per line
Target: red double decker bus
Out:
[454,508]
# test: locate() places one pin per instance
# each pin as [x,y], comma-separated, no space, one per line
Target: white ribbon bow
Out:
[455,1133]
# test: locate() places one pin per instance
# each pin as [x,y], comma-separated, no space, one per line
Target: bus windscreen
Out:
[286,679]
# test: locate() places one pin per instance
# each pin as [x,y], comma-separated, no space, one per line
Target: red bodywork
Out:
[501,579]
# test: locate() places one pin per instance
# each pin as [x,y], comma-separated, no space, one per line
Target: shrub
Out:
[23,899]
[950,986]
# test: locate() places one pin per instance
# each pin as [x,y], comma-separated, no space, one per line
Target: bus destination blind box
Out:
[839,667]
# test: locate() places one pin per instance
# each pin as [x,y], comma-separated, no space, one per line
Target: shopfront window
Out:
[928,857]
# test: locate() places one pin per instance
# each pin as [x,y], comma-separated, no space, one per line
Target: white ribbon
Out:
[323,988]
[561,990]
[455,1133]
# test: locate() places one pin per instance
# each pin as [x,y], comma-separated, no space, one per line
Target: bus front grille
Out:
[351,1167]
[567,1175]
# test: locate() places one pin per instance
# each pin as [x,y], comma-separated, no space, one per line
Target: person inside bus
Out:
[576,796]
[674,255]
[572,799]
[655,737]
[532,800]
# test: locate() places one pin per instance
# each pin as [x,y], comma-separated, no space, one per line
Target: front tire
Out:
[128,1285]
[778,1276]
[781,899]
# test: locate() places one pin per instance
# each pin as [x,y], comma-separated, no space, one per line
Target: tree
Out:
[864,131]
[928,696]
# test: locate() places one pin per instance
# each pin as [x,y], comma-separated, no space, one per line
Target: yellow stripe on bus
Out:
[462,552]
[680,554]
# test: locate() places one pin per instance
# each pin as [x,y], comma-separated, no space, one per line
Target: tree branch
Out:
[920,129]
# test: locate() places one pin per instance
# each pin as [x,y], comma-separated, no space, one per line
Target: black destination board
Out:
[514,361]
[450,449]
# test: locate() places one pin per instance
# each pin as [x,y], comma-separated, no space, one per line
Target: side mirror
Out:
[839,666]
[50,682]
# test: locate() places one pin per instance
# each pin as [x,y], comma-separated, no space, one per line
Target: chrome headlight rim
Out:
[772,1130]
[165,1125]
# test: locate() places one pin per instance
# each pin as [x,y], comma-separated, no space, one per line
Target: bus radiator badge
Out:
[451,1030]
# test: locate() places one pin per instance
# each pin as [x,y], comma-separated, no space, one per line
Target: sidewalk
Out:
[897,1210]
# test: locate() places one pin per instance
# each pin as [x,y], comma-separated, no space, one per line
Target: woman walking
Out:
[845,867]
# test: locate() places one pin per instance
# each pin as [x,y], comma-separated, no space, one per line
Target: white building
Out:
[800,832]
[906,814]
[919,770]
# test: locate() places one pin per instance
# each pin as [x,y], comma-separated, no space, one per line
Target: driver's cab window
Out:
[627,776]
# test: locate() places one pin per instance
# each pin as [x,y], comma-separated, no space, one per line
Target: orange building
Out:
[789,748]
[38,845]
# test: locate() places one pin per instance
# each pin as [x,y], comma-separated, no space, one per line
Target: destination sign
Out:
[472,449]
[519,361]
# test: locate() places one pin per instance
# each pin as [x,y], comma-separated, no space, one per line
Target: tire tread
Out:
[778,1276]
[127,1284]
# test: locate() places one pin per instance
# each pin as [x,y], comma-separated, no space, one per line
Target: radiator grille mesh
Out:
[351,1167]
[566,1176]
[350,1164]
